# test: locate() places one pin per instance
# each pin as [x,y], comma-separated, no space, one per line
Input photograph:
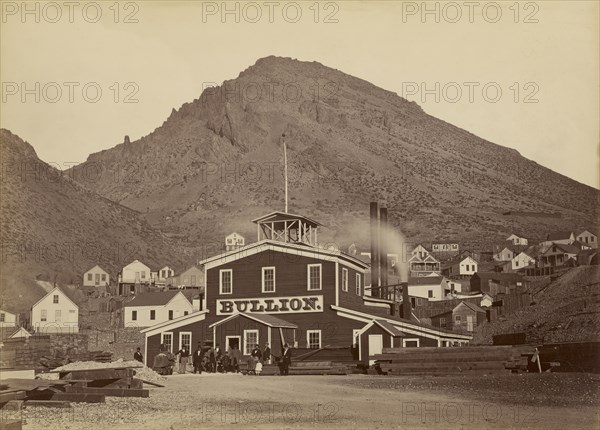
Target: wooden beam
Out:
[80,397]
[113,392]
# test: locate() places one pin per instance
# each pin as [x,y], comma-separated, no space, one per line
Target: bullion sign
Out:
[275,305]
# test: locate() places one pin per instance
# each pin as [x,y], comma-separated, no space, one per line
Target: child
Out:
[258,368]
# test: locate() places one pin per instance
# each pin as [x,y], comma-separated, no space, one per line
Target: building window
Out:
[133,315]
[143,275]
[419,301]
[517,263]
[89,276]
[170,314]
[152,314]
[55,299]
[457,319]
[167,340]
[226,281]
[185,313]
[410,343]
[193,280]
[57,315]
[250,340]
[443,322]
[314,277]
[185,339]
[313,339]
[358,284]
[344,279]
[104,276]
[2,317]
[44,315]
[430,293]
[268,279]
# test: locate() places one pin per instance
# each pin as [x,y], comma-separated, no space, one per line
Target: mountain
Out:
[216,163]
[53,229]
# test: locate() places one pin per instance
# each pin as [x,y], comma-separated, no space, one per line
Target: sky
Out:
[78,77]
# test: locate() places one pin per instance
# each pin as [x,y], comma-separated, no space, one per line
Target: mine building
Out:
[285,288]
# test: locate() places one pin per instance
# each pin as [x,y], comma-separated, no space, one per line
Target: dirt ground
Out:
[546,401]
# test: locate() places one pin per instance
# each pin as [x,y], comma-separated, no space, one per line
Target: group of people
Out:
[212,359]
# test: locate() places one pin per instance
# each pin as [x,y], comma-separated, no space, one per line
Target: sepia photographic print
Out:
[299,214]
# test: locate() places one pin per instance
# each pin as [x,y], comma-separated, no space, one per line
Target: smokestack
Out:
[406,306]
[383,246]
[374,251]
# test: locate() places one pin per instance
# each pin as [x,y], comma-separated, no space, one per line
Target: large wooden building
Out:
[284,288]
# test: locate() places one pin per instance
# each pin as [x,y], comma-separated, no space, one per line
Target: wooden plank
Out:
[157,385]
[13,395]
[80,397]
[98,374]
[47,403]
[113,392]
[116,367]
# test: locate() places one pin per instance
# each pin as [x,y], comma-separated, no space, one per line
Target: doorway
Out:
[231,341]
[375,346]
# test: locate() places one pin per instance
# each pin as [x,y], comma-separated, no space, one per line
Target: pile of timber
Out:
[81,385]
[309,368]
[443,361]
[53,361]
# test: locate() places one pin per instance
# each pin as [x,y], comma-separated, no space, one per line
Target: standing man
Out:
[212,360]
[138,355]
[197,359]
[286,359]
[184,355]
[266,355]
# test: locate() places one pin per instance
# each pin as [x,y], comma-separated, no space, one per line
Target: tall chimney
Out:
[406,306]
[374,251]
[383,247]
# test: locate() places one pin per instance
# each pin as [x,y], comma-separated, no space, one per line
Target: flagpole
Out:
[285,172]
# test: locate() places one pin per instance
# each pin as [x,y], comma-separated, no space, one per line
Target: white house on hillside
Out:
[163,275]
[460,267]
[7,319]
[55,313]
[96,277]
[522,260]
[562,237]
[148,309]
[518,239]
[234,241]
[134,273]
[588,238]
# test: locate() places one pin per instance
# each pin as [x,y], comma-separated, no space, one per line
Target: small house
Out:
[55,313]
[149,309]
[517,239]
[96,277]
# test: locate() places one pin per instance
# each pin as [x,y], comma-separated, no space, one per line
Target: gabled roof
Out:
[559,235]
[586,231]
[425,280]
[471,306]
[153,299]
[99,267]
[175,323]
[266,319]
[385,325]
[56,289]
[568,249]
[457,260]
[519,235]
[283,216]
[274,245]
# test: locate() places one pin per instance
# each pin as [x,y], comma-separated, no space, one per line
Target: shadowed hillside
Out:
[54,230]
[216,163]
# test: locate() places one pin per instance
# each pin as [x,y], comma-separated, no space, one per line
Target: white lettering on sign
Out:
[275,305]
[436,247]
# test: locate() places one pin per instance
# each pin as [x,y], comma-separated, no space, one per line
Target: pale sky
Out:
[545,64]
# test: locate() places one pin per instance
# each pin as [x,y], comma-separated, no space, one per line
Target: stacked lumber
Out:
[309,368]
[52,361]
[116,381]
[443,361]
